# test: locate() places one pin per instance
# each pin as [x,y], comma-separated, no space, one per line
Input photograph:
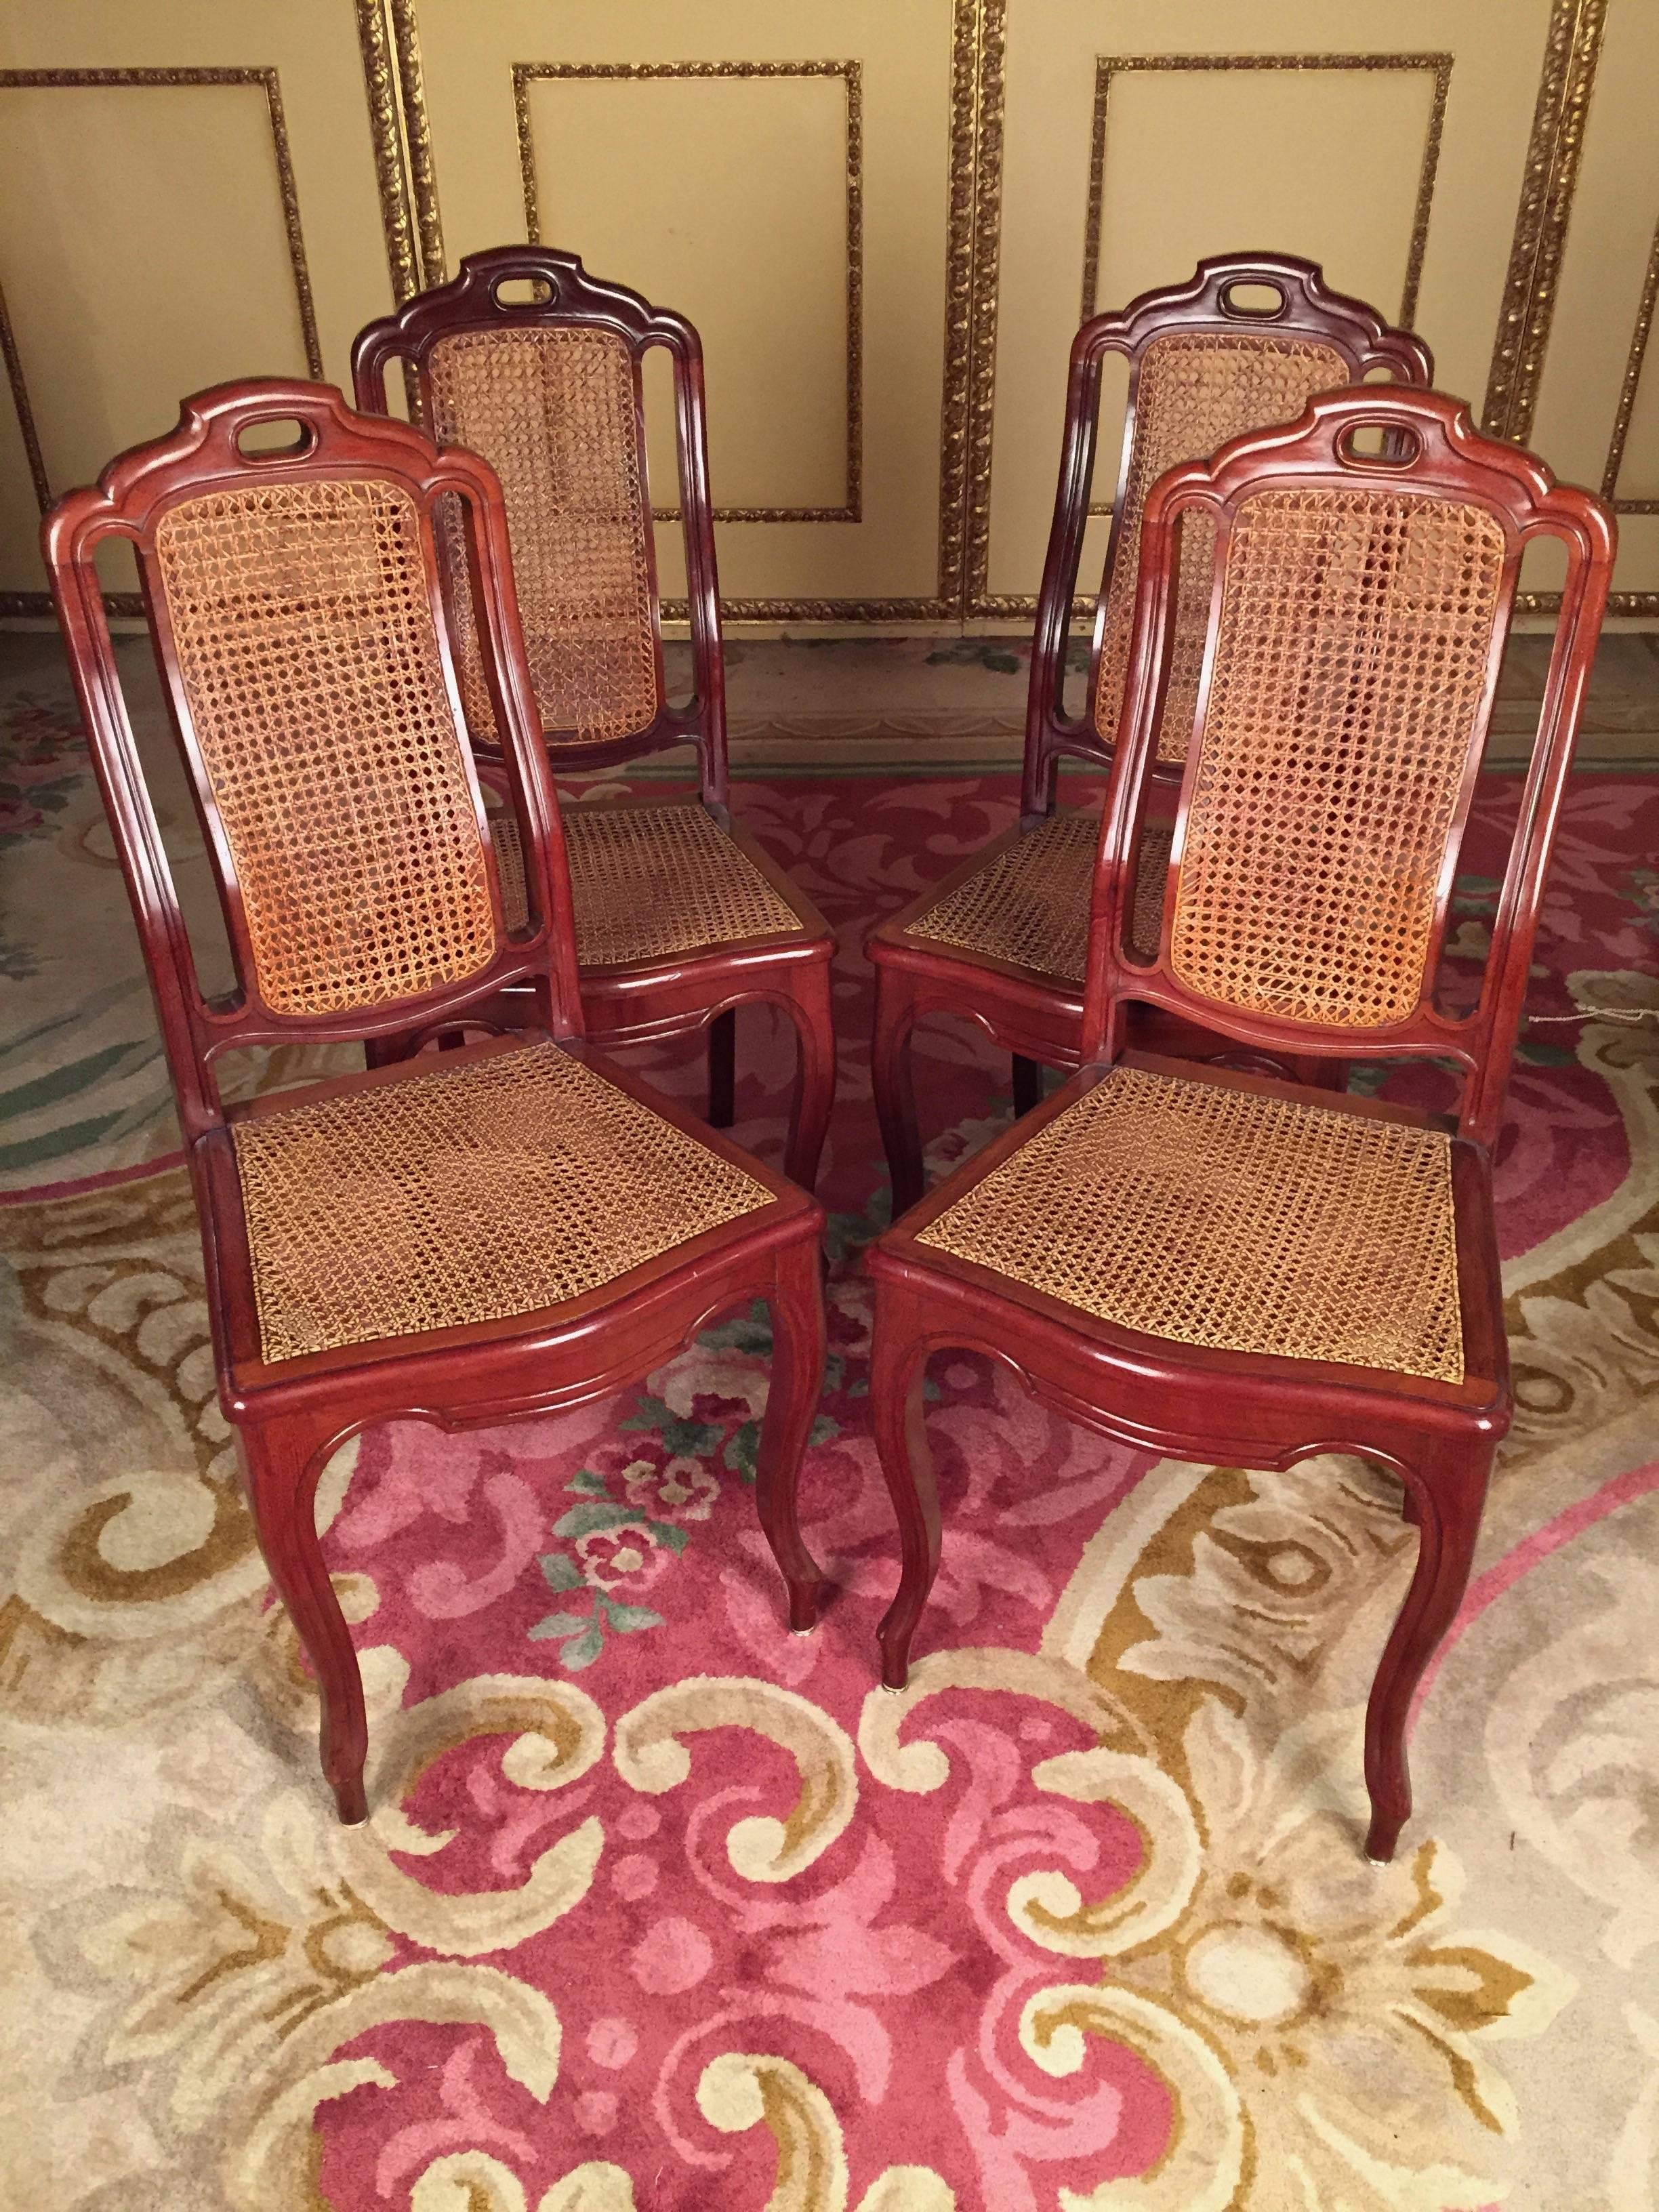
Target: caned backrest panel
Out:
[1351,652]
[1194,390]
[554,412]
[309,659]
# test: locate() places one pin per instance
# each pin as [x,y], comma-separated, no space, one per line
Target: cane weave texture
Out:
[1349,687]
[1194,391]
[648,882]
[553,412]
[510,1184]
[1231,1219]
[1030,903]
[309,658]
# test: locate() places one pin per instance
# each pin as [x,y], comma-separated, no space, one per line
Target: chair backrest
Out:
[298,620]
[547,387]
[1208,361]
[1357,612]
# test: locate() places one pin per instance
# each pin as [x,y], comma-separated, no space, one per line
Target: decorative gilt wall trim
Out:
[525,73]
[1571,53]
[1107,66]
[1619,603]
[417,138]
[82,79]
[971,310]
[398,219]
[20,393]
[1638,346]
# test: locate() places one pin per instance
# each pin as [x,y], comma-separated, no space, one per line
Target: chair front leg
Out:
[797,1384]
[894,1088]
[723,1069]
[1450,1491]
[898,1369]
[281,1460]
[811,1011]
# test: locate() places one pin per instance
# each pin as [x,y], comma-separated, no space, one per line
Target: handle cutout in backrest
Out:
[521,292]
[1253,301]
[1379,444]
[275,438]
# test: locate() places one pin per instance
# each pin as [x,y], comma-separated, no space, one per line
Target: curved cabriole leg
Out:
[1454,1479]
[1027,1084]
[281,1461]
[898,1367]
[723,1069]
[896,1098]
[792,1400]
[815,1072]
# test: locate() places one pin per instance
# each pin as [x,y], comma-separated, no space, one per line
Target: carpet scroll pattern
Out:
[661,1907]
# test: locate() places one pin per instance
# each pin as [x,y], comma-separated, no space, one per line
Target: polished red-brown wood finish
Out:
[523,287]
[290,1415]
[1236,1407]
[1036,1016]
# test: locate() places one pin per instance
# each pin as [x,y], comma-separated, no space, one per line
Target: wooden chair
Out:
[1223,1267]
[680,915]
[1001,939]
[514,1229]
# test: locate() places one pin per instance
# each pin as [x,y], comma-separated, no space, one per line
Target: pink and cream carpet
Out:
[661,1907]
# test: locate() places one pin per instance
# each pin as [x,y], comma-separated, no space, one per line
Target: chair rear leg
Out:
[896,1098]
[281,1461]
[1027,1084]
[898,1368]
[811,1010]
[1452,1488]
[792,1400]
[723,1069]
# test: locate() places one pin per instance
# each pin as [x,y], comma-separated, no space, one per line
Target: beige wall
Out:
[885,218]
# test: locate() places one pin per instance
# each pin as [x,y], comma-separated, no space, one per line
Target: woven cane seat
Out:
[503,1185]
[1194,391]
[1029,904]
[649,882]
[555,413]
[1231,1219]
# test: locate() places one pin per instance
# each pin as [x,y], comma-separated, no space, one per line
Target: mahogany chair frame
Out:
[637,1002]
[1034,1016]
[292,1414]
[1235,1407]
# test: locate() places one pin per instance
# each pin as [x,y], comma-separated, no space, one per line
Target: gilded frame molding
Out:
[1107,66]
[1627,391]
[525,73]
[82,79]
[388,31]
[388,38]
[1572,49]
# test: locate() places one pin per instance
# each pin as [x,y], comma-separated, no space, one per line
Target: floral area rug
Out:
[661,1907]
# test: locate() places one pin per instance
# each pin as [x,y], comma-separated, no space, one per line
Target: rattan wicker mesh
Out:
[1030,903]
[648,882]
[1195,390]
[501,1186]
[1231,1219]
[553,412]
[309,658]
[1355,638]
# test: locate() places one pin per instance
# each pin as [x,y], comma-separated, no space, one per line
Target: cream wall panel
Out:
[1606,269]
[1327,163]
[143,240]
[726,199]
